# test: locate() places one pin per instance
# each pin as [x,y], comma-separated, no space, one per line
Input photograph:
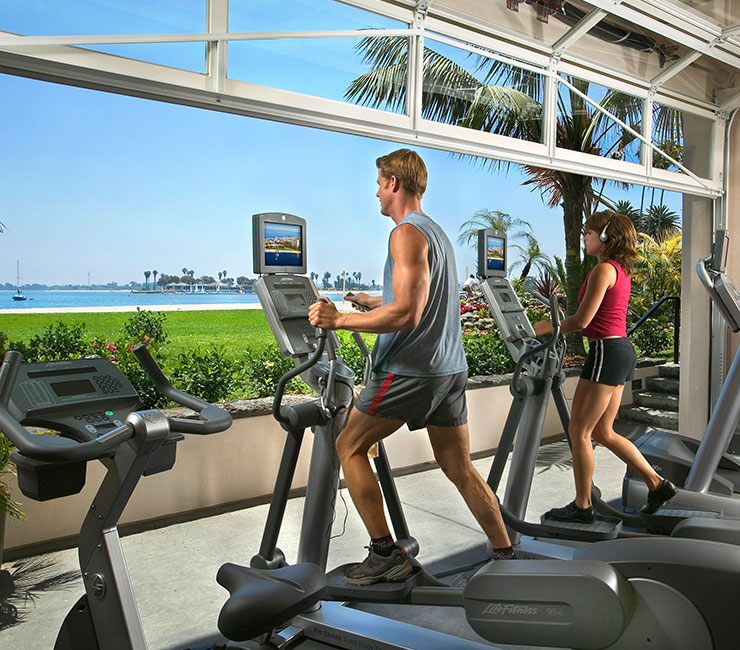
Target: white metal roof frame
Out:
[58,59]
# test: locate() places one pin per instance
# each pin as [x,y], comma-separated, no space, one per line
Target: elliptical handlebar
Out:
[277,406]
[548,345]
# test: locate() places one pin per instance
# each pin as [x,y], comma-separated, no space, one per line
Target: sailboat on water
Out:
[18,295]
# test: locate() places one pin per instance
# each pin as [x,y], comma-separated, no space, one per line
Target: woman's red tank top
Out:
[611,316]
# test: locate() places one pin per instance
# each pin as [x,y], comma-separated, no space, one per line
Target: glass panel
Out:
[530,20]
[82,17]
[581,127]
[324,67]
[685,137]
[725,12]
[707,79]
[620,45]
[186,56]
[302,15]
[481,93]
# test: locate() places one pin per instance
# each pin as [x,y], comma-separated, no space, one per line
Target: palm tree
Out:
[327,275]
[486,218]
[154,282]
[314,276]
[628,210]
[3,227]
[660,223]
[531,256]
[146,278]
[508,101]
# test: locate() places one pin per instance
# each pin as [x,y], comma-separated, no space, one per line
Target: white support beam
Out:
[217,20]
[671,71]
[129,77]
[579,29]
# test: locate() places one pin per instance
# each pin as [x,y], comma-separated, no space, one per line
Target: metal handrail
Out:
[676,320]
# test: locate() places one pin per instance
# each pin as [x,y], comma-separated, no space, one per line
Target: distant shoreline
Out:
[341,306]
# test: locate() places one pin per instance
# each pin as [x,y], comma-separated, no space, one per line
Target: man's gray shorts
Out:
[417,401]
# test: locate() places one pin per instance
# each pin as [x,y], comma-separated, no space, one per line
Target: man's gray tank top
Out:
[434,347]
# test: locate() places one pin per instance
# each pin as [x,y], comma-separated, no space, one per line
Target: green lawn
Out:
[234,329]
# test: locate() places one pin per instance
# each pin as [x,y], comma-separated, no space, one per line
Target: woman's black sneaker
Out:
[572,513]
[657,498]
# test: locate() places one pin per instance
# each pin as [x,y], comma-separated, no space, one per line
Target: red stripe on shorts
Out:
[386,385]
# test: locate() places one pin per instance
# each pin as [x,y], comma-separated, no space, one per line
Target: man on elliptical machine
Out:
[419,369]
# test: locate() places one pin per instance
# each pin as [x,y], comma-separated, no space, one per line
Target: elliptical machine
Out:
[623,593]
[707,472]
[96,411]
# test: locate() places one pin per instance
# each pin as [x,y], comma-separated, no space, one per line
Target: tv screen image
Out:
[283,244]
[494,254]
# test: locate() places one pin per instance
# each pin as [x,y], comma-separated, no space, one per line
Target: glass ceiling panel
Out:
[83,17]
[620,45]
[724,12]
[323,67]
[303,15]
[525,20]
[707,79]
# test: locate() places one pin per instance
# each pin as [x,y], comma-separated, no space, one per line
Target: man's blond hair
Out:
[408,167]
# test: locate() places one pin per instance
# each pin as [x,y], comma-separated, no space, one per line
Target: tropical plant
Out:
[154,282]
[146,278]
[659,222]
[484,219]
[531,256]
[657,270]
[628,210]
[503,99]
[327,276]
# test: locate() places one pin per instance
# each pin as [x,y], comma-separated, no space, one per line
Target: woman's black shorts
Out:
[610,361]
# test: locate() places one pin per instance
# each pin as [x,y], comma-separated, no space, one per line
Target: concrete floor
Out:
[173,569]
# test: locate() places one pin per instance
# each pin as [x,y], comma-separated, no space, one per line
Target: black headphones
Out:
[603,236]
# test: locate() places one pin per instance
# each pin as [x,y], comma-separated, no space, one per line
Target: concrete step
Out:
[671,370]
[662,385]
[660,401]
[654,417]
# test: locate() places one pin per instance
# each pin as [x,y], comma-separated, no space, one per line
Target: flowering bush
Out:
[653,337]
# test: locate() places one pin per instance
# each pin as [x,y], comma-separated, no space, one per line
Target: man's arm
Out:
[409,250]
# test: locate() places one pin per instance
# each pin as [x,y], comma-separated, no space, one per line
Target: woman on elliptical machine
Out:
[601,316]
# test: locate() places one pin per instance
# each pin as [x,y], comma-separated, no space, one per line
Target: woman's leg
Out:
[620,446]
[590,402]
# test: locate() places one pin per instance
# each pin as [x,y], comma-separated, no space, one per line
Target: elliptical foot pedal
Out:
[601,529]
[380,592]
[666,519]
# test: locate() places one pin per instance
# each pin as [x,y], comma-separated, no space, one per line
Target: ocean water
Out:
[38,300]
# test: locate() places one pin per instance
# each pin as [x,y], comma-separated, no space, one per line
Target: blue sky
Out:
[112,185]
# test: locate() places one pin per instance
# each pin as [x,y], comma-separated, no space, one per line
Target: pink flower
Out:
[146,339]
[131,348]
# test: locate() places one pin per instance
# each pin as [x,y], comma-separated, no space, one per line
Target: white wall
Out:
[242,463]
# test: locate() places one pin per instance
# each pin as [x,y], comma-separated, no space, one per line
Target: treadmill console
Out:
[83,398]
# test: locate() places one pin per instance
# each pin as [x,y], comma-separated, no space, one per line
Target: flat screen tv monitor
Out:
[491,253]
[278,243]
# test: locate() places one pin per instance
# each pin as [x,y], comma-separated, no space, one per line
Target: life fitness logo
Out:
[509,609]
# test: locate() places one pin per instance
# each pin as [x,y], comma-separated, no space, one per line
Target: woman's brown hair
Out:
[621,237]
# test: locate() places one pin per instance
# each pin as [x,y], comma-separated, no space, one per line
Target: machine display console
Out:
[492,253]
[278,243]
[285,294]
[83,398]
